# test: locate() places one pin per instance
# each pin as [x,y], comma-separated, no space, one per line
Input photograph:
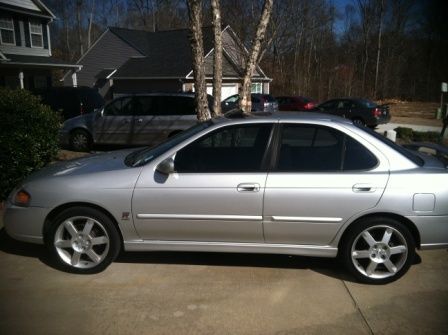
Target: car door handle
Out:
[365,188]
[248,187]
[125,121]
[139,120]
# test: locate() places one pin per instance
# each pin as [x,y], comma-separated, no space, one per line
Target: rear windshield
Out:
[406,153]
[368,103]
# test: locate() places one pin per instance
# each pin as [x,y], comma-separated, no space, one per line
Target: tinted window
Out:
[175,105]
[143,106]
[230,149]
[318,149]
[232,99]
[328,104]
[119,107]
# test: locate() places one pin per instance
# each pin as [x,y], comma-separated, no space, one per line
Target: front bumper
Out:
[25,223]
[433,231]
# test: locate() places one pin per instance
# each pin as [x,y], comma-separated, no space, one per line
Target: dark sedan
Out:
[360,111]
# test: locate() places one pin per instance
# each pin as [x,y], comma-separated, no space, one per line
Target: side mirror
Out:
[166,166]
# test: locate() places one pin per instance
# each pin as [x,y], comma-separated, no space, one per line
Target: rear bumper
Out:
[433,231]
[25,223]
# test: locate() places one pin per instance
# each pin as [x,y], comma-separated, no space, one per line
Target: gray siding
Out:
[108,52]
[22,36]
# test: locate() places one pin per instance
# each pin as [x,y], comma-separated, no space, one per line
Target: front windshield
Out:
[143,156]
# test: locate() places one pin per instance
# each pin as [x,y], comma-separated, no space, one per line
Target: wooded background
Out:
[366,48]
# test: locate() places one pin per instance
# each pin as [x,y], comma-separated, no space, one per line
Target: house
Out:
[124,61]
[25,45]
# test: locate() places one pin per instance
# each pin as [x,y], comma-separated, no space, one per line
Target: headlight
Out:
[22,198]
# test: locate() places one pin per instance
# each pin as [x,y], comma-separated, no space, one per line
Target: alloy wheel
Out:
[81,242]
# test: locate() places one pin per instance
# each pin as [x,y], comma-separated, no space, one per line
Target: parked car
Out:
[310,184]
[70,102]
[360,111]
[132,120]
[295,103]
[260,103]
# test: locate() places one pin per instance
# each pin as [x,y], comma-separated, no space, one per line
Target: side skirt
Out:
[263,248]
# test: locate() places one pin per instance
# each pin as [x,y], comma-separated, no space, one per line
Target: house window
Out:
[37,38]
[257,88]
[7,35]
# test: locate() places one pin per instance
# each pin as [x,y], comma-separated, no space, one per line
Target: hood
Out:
[91,164]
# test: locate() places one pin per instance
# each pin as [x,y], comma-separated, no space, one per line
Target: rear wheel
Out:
[83,240]
[359,122]
[378,250]
[80,140]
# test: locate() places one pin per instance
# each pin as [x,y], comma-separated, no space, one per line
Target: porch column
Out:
[74,78]
[21,76]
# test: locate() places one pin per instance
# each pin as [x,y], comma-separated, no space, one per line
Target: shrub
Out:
[404,133]
[407,134]
[28,137]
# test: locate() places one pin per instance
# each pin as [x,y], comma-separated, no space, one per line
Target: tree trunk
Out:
[217,58]
[78,22]
[89,31]
[251,63]
[378,53]
[197,50]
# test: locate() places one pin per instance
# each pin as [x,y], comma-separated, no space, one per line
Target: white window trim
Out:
[41,35]
[13,33]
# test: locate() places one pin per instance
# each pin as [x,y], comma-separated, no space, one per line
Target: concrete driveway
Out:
[197,293]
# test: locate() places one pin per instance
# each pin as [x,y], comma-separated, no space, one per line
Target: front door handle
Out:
[248,187]
[139,120]
[364,188]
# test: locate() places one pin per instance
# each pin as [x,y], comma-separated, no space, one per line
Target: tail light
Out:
[309,105]
[376,112]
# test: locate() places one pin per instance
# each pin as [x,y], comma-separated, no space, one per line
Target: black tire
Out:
[358,121]
[389,261]
[80,140]
[71,250]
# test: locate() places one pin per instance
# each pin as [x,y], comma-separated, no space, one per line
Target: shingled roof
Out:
[167,54]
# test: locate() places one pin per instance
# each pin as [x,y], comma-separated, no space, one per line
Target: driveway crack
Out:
[363,317]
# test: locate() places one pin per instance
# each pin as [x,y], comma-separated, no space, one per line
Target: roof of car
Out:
[303,116]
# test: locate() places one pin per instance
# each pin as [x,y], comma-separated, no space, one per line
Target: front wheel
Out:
[80,140]
[83,240]
[378,250]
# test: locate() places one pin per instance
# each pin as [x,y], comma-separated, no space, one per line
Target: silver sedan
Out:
[302,184]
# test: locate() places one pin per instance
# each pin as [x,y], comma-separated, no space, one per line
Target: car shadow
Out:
[330,267]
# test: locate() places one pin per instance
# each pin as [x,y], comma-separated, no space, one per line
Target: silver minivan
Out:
[141,119]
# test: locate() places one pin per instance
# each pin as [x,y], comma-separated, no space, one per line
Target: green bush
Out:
[407,134]
[28,137]
[404,133]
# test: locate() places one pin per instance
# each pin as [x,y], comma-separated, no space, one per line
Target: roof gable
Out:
[32,7]
[167,54]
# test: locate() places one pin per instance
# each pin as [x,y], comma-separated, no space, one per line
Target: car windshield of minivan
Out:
[143,156]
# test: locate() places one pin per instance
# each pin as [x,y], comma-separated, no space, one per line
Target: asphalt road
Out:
[198,293]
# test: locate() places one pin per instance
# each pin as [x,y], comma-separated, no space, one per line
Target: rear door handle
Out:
[248,187]
[364,188]
[125,121]
[139,120]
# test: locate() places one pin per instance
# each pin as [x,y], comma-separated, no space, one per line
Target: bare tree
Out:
[217,57]
[197,50]
[89,30]
[79,5]
[378,53]
[253,57]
